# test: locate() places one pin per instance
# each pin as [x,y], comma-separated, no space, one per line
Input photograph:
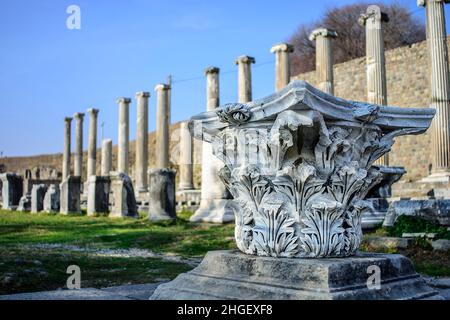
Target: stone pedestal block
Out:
[98,195]
[25,203]
[434,210]
[12,190]
[123,199]
[51,199]
[231,275]
[37,197]
[188,199]
[377,197]
[162,194]
[70,195]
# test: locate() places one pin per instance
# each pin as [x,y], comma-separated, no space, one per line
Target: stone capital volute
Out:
[245,59]
[211,70]
[68,119]
[423,3]
[161,87]
[322,32]
[142,94]
[123,100]
[78,116]
[93,111]
[282,47]
[375,12]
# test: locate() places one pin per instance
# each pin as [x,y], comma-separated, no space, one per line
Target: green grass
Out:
[179,237]
[410,224]
[24,268]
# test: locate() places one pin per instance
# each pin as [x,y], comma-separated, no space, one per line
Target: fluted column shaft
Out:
[66,154]
[212,187]
[440,85]
[124,135]
[244,78]
[78,159]
[324,58]
[92,146]
[162,126]
[142,141]
[186,158]
[373,21]
[282,65]
[106,157]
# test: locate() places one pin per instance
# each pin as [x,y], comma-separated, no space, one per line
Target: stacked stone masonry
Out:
[407,71]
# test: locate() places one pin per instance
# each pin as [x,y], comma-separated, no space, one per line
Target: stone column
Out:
[78,161]
[66,154]
[440,88]
[142,141]
[214,206]
[244,78]
[162,126]
[375,62]
[106,157]
[282,64]
[324,58]
[161,194]
[92,148]
[186,159]
[124,135]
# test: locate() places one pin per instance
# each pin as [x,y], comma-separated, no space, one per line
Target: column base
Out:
[214,211]
[232,275]
[437,177]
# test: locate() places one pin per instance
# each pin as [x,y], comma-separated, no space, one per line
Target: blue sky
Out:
[125,46]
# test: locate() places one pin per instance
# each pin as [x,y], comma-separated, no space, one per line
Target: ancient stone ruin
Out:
[299,165]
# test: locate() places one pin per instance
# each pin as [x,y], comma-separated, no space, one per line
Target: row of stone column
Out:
[373,20]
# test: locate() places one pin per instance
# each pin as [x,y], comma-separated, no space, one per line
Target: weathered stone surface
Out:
[162,125]
[282,64]
[52,199]
[122,197]
[188,200]
[67,146]
[324,58]
[142,142]
[37,197]
[441,245]
[388,243]
[78,154]
[106,157]
[377,197]
[70,195]
[435,210]
[98,195]
[214,204]
[233,275]
[162,194]
[244,78]
[25,203]
[123,156]
[12,190]
[299,166]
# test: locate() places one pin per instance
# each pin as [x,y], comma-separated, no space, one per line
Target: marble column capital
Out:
[322,32]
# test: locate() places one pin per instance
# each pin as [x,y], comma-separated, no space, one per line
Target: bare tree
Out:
[402,29]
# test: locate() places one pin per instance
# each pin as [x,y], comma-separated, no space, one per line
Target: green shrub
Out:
[409,224]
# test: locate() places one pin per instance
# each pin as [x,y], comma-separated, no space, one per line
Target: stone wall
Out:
[54,161]
[407,71]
